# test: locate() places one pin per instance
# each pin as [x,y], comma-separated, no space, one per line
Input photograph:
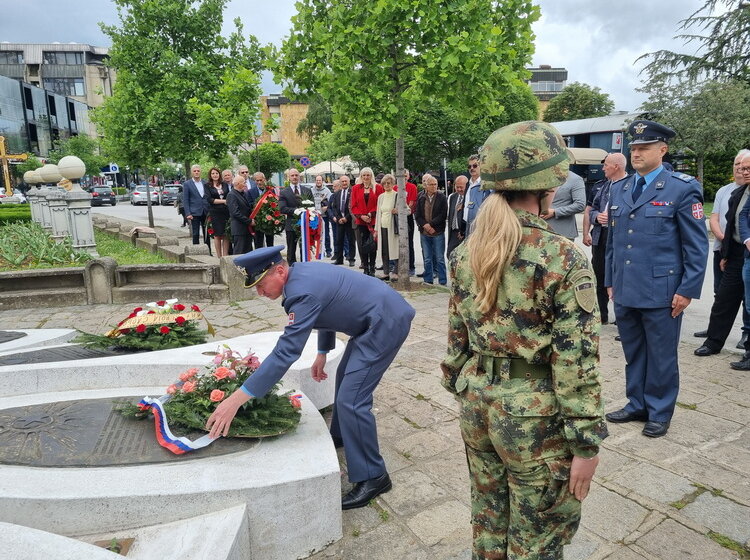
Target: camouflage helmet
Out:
[525,156]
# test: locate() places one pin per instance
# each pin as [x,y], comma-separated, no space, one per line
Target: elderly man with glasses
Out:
[474,196]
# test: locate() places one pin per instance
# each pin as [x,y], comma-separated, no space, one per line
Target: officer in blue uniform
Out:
[655,262]
[330,299]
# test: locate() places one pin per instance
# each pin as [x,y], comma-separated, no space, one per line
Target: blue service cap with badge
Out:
[647,132]
[255,264]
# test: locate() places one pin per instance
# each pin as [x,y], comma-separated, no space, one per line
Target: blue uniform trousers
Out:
[649,342]
[360,370]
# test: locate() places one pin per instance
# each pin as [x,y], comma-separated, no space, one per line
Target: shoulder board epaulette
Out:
[683,177]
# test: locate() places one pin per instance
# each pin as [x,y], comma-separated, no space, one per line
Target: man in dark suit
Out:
[290,198]
[614,171]
[456,222]
[657,250]
[239,213]
[342,219]
[260,188]
[195,203]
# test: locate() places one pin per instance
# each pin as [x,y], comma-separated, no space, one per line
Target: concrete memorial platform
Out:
[19,339]
[159,368]
[70,466]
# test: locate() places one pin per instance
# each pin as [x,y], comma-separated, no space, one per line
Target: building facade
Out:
[547,82]
[33,119]
[288,115]
[72,70]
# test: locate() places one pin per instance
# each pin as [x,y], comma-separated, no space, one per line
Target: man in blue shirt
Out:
[376,318]
[656,259]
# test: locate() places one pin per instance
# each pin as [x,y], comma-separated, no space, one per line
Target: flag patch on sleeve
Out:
[698,211]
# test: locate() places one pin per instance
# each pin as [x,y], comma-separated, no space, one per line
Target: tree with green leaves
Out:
[710,119]
[375,62]
[268,158]
[183,90]
[318,119]
[720,45]
[578,101]
[84,147]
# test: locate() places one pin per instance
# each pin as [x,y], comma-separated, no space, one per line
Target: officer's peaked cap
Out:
[255,264]
[648,132]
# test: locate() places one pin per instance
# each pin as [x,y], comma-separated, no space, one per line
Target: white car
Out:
[139,194]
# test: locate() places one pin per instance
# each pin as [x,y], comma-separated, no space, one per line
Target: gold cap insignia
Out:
[639,128]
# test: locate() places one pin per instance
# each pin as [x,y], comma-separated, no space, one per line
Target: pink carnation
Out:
[216,395]
[188,374]
[172,389]
[189,386]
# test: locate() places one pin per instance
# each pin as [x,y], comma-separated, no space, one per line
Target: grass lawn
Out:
[123,252]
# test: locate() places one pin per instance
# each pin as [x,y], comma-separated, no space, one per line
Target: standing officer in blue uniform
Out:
[330,299]
[656,258]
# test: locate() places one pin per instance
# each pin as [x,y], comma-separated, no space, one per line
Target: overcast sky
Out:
[598,41]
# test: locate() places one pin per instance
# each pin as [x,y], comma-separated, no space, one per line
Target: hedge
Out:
[14,213]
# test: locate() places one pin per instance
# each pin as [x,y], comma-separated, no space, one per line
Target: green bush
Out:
[120,190]
[14,213]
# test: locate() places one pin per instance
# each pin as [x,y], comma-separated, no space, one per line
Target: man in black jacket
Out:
[431,214]
[290,198]
[342,219]
[456,224]
[239,213]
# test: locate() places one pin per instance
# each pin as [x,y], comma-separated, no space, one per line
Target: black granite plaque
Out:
[7,336]
[59,354]
[90,433]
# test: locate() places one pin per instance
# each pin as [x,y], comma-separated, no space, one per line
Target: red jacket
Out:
[359,207]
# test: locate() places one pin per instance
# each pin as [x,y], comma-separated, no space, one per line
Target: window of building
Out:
[11,57]
[66,86]
[51,57]
[547,86]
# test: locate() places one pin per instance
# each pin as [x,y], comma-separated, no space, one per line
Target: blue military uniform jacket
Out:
[658,245]
[331,299]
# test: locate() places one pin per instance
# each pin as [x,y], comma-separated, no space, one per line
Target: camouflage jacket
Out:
[546,313]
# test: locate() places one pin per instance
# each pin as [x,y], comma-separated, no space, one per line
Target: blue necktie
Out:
[639,188]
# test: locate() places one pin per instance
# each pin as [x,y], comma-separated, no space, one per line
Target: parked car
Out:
[139,194]
[102,195]
[169,194]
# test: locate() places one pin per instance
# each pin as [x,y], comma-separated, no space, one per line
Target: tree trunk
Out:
[403,227]
[699,169]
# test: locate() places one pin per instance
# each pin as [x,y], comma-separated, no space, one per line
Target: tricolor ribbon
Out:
[310,229]
[296,400]
[260,203]
[177,445]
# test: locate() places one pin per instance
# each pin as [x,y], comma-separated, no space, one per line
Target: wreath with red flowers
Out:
[156,326]
[268,217]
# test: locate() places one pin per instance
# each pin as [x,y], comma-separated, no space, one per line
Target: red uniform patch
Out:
[698,211]
[291,319]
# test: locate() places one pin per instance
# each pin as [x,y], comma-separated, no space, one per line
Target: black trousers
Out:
[727,300]
[453,240]
[598,253]
[363,234]
[198,227]
[718,273]
[291,246]
[241,244]
[263,240]
[344,231]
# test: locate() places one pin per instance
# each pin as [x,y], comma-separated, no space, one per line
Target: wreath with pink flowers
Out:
[194,397]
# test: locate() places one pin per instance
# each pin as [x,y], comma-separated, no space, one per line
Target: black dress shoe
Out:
[351,263]
[621,416]
[701,334]
[365,491]
[420,275]
[618,338]
[743,365]
[741,343]
[705,351]
[655,429]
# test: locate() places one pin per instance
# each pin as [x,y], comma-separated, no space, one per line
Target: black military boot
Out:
[743,365]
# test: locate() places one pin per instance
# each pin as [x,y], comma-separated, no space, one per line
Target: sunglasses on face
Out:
[473,165]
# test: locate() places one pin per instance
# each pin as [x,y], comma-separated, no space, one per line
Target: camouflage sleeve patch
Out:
[584,286]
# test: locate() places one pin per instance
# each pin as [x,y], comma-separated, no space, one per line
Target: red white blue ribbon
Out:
[310,234]
[177,445]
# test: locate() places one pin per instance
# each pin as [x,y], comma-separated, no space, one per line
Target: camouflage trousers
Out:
[519,465]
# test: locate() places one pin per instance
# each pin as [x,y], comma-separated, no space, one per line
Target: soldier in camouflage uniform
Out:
[523,343]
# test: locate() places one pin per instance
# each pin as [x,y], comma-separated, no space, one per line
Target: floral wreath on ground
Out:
[268,218]
[195,396]
[158,325]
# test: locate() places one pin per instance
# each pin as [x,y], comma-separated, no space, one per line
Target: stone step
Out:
[135,293]
[47,297]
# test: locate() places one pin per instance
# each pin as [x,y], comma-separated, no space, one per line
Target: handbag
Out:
[369,245]
[395,224]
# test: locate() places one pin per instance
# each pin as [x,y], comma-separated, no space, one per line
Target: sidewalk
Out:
[658,499]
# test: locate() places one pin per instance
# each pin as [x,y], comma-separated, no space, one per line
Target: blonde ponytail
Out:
[492,243]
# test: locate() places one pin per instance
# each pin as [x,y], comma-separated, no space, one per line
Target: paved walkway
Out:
[672,498]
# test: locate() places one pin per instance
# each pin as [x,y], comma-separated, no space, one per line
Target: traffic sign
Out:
[114,168]
[305,161]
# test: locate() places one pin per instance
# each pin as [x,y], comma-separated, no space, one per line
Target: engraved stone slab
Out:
[60,354]
[90,433]
[7,336]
